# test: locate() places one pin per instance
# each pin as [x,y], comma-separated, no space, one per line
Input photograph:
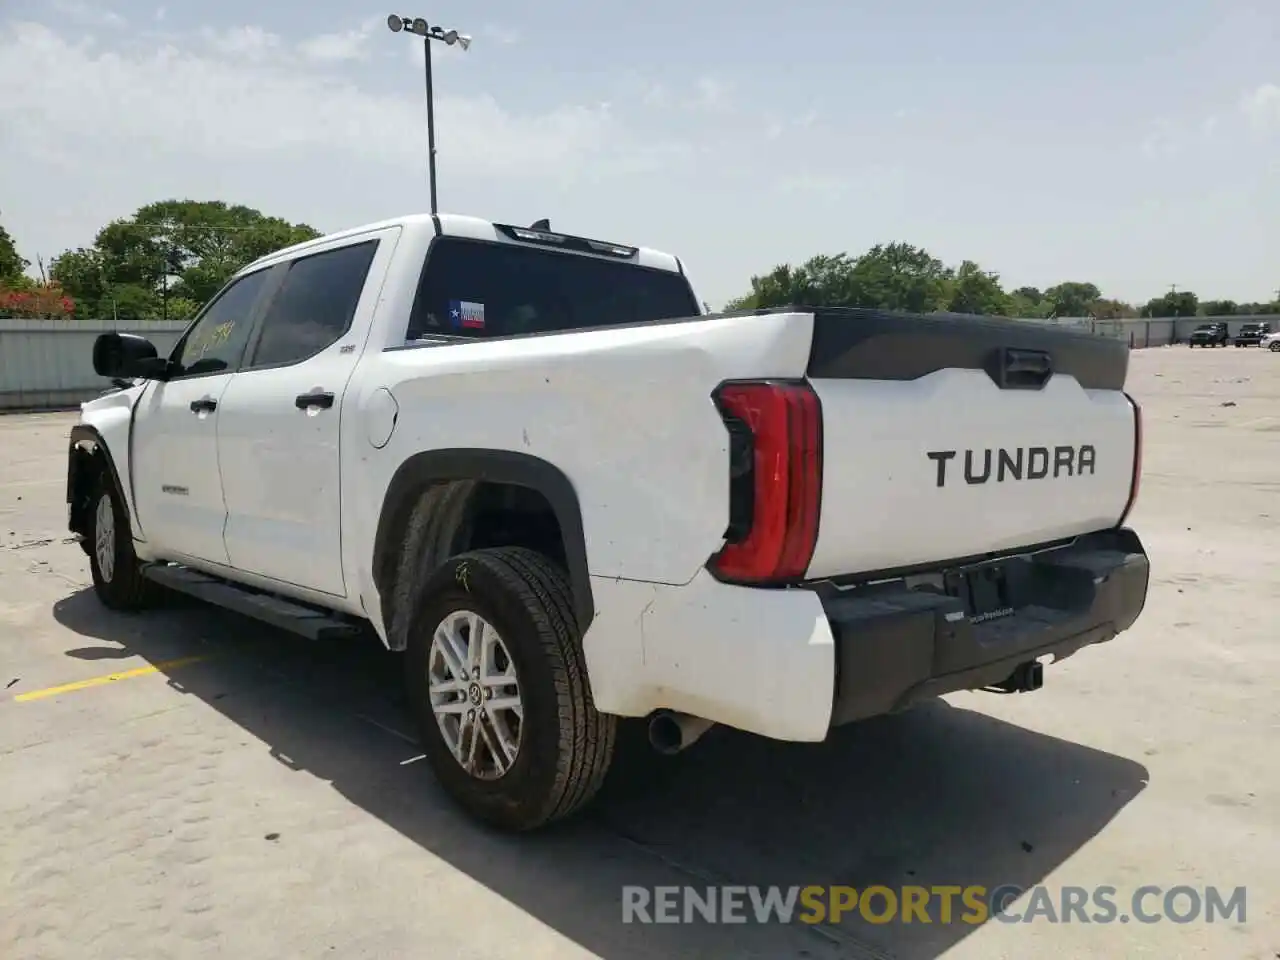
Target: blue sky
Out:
[1134,145]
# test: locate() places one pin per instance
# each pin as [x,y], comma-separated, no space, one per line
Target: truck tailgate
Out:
[949,437]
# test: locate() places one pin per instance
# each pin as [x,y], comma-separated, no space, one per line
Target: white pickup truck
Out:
[531,463]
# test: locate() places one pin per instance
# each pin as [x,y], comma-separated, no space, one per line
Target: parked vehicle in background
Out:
[528,461]
[1251,334]
[1209,335]
[1270,341]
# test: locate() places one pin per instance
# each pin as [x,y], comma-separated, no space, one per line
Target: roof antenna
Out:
[543,224]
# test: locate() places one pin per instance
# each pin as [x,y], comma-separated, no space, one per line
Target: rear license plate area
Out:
[984,591]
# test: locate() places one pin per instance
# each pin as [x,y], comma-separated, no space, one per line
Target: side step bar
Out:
[284,614]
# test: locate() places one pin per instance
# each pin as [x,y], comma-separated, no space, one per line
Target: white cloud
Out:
[1262,107]
[337,47]
[252,43]
[706,95]
[85,14]
[1163,141]
[821,186]
[501,35]
[655,95]
[232,101]
[97,123]
[711,94]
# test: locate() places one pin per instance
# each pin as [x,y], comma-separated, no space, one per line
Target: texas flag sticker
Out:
[466,315]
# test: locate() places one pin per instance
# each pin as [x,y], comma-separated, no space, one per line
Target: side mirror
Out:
[125,355]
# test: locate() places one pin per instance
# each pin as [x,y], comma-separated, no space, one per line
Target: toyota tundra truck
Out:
[532,464]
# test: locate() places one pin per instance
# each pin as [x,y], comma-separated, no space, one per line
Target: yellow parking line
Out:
[109,678]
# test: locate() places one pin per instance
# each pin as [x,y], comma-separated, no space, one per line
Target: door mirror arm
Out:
[156,368]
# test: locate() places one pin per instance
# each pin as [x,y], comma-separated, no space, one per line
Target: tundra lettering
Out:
[1019,463]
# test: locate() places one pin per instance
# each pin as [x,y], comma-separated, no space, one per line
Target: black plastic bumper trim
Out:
[897,644]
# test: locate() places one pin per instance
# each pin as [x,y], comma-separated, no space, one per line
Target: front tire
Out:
[115,568]
[497,681]
[1275,347]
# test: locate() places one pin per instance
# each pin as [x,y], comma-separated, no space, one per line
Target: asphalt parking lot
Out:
[235,791]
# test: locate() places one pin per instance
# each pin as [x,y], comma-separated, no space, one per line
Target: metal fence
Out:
[48,364]
[1160,332]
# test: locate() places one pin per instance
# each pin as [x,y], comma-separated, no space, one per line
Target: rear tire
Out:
[116,569]
[1275,347]
[513,735]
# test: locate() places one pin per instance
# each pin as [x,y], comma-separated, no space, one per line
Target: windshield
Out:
[478,290]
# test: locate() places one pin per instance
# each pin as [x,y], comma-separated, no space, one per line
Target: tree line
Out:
[900,276]
[172,256]
[164,262]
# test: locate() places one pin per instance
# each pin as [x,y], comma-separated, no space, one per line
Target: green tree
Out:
[1072,299]
[170,255]
[895,276]
[821,281]
[130,301]
[1029,303]
[11,263]
[1258,309]
[1218,308]
[899,276]
[80,273]
[1104,309]
[1182,303]
[975,291]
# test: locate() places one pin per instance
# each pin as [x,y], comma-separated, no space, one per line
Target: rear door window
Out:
[314,306]
[477,290]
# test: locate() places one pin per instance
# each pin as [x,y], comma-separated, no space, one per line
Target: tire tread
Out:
[538,586]
[128,589]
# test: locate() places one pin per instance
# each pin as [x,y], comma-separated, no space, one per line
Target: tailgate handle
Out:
[1023,369]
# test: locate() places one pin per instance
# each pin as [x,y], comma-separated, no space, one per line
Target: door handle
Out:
[204,405]
[320,398]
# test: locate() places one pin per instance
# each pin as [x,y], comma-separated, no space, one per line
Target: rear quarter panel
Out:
[625,413]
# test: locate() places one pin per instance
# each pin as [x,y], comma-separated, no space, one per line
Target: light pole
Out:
[420,28]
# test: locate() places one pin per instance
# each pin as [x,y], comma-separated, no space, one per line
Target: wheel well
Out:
[507,515]
[84,466]
[444,518]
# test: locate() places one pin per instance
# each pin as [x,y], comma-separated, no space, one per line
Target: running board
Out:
[285,614]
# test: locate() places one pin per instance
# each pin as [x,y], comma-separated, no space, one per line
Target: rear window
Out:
[477,290]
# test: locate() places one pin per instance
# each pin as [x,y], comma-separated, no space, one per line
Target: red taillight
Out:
[784,422]
[1137,461]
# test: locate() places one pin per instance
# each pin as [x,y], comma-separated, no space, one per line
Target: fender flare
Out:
[422,470]
[82,434]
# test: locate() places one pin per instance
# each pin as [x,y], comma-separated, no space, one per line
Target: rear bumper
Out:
[896,645]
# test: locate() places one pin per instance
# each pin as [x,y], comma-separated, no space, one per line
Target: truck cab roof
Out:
[475,228]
